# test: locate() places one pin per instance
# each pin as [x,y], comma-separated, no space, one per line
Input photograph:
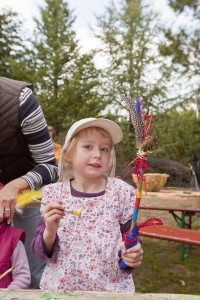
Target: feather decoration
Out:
[136,118]
[148,143]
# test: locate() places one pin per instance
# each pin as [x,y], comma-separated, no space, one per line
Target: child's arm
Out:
[21,273]
[53,213]
[38,247]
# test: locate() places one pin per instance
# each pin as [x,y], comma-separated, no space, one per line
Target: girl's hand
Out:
[53,213]
[132,256]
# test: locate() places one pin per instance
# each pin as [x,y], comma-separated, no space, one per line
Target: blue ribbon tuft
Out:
[138,106]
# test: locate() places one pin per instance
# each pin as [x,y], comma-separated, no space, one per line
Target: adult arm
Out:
[21,273]
[35,131]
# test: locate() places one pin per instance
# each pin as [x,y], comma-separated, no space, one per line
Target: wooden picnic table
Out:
[184,206]
[181,204]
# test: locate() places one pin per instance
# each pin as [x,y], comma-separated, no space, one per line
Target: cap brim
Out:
[112,128]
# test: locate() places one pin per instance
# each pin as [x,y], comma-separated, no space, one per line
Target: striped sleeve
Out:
[34,129]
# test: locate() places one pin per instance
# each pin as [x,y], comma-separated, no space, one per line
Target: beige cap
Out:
[65,171]
[111,127]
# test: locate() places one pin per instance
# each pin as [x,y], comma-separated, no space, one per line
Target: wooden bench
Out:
[180,221]
[169,233]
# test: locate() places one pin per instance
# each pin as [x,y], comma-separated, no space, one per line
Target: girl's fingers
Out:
[52,206]
[53,221]
[133,262]
[132,256]
[133,259]
[53,217]
[55,211]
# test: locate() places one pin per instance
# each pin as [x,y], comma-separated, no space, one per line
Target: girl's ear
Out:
[67,158]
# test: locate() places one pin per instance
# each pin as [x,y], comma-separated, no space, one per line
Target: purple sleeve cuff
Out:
[38,247]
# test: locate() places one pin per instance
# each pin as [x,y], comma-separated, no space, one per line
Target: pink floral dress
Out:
[88,257]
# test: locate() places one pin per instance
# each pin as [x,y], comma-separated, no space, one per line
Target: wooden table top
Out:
[171,208]
[172,194]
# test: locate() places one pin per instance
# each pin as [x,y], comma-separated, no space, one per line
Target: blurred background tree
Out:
[178,134]
[142,55]
[133,38]
[66,80]
[182,47]
[13,48]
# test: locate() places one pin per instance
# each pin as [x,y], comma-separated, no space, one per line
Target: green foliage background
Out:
[144,57]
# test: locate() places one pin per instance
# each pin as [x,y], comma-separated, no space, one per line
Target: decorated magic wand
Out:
[144,143]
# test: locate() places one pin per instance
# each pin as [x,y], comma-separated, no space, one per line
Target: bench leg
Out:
[181,222]
[183,253]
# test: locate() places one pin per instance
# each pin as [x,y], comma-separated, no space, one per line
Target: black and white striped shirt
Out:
[35,131]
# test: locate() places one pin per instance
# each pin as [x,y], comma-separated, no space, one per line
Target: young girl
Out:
[13,254]
[82,253]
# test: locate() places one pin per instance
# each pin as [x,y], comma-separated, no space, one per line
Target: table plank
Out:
[170,208]
[173,195]
[180,235]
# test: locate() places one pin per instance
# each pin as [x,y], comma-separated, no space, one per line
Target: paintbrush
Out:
[6,273]
[75,212]
[29,197]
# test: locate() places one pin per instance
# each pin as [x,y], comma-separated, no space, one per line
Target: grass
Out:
[162,271]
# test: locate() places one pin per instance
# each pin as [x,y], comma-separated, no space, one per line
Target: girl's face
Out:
[91,155]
